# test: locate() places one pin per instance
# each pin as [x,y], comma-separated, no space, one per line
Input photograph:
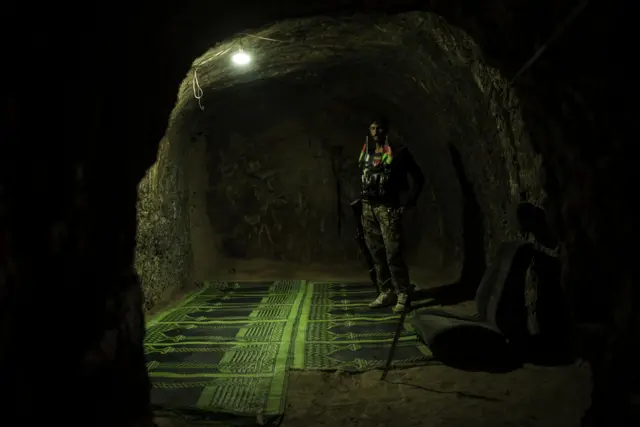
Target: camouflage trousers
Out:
[383,234]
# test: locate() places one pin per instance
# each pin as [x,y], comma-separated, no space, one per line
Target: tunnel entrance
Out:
[252,189]
[301,116]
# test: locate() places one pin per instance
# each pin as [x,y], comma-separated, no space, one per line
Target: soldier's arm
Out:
[417,177]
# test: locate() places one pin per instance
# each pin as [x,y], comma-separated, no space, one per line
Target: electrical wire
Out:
[198,92]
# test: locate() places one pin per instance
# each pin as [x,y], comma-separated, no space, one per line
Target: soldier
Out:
[385,166]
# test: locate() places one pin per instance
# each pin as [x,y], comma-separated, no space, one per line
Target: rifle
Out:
[356,205]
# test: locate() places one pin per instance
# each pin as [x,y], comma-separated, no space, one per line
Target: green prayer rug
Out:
[228,348]
[338,331]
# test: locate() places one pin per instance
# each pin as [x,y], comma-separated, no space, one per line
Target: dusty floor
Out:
[258,269]
[431,396]
[438,396]
[435,396]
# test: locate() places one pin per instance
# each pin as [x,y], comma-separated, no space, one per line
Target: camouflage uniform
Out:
[384,176]
[383,233]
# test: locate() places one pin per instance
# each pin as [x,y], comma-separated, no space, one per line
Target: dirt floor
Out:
[430,396]
[259,269]
[434,396]
[438,396]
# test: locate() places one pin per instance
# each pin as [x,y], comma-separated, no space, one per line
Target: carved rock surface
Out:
[88,96]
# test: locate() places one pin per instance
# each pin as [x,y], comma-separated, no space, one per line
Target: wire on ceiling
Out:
[197,89]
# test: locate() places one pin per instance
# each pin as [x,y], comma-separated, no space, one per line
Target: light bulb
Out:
[241,58]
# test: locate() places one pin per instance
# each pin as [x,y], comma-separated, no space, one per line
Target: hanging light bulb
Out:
[241,58]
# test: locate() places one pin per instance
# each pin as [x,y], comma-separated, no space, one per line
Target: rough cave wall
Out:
[163,245]
[587,171]
[274,194]
[282,166]
[487,127]
[280,189]
[589,167]
[208,262]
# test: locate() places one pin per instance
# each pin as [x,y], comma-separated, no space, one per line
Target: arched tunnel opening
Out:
[250,198]
[262,168]
[196,257]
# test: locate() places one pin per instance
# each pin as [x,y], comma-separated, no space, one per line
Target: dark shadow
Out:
[500,337]
[234,249]
[450,294]
[336,154]
[474,260]
[533,219]
[550,345]
[541,351]
[475,349]
[521,313]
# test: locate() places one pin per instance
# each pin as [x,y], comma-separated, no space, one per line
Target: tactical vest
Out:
[375,166]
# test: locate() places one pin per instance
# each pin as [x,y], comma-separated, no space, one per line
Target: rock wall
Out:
[488,127]
[274,196]
[208,262]
[163,256]
[281,171]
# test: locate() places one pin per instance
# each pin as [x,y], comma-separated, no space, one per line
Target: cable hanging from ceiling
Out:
[197,89]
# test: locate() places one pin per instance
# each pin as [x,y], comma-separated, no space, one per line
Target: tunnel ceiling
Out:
[416,46]
[428,75]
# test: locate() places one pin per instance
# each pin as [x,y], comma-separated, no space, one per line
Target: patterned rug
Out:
[229,347]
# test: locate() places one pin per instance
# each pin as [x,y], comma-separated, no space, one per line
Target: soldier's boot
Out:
[385,299]
[401,303]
